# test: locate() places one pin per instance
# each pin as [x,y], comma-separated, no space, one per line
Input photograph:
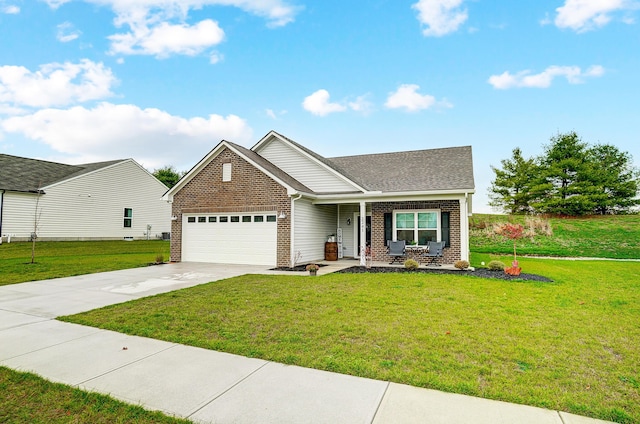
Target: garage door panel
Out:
[229,242]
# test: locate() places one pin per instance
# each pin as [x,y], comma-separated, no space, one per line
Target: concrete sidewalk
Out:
[207,386]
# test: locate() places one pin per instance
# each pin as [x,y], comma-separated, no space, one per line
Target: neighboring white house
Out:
[97,201]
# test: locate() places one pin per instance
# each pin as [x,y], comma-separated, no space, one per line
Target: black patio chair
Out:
[396,250]
[435,252]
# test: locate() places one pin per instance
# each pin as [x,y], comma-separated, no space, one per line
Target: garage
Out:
[231,238]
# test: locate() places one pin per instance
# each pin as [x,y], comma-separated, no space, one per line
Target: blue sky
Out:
[163,81]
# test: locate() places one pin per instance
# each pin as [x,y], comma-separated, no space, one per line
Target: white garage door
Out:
[233,238]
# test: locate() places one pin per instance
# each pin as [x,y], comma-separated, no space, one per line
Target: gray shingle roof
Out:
[421,170]
[30,175]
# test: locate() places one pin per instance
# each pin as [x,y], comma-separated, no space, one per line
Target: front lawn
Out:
[570,345]
[27,398]
[56,259]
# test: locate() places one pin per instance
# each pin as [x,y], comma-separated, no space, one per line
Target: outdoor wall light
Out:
[174,218]
[282,215]
[348,221]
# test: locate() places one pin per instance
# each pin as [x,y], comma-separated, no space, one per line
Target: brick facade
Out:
[378,243]
[250,190]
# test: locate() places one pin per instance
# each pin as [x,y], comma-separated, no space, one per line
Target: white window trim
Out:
[415,229]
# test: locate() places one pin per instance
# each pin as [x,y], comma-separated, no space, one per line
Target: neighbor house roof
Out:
[30,175]
[420,170]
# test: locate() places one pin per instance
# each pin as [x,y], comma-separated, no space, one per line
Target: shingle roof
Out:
[30,175]
[421,170]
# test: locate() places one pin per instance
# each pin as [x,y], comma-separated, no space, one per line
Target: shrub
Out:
[496,266]
[411,264]
[462,264]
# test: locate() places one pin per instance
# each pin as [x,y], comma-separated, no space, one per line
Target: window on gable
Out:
[417,227]
[128,217]
[226,172]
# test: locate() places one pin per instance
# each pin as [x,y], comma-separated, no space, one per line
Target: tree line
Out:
[570,178]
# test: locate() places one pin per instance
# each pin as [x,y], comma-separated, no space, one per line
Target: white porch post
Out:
[464,229]
[363,233]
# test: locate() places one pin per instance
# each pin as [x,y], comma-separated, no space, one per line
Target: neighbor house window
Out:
[417,226]
[226,172]
[128,217]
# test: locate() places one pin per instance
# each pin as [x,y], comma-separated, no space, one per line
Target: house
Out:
[278,202]
[108,200]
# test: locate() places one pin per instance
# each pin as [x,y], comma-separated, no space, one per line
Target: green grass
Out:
[598,237]
[27,398]
[67,258]
[570,345]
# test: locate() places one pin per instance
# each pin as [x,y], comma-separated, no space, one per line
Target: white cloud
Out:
[361,104]
[151,136]
[55,84]
[441,17]
[10,9]
[318,104]
[67,32]
[573,74]
[165,39]
[215,57]
[407,97]
[161,27]
[585,15]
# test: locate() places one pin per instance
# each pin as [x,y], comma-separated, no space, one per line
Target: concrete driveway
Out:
[203,385]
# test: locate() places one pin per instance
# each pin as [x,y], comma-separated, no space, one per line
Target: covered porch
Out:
[364,227]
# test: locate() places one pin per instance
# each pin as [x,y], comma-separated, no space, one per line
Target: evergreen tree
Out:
[614,183]
[512,189]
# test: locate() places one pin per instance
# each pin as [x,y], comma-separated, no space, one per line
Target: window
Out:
[128,217]
[258,218]
[191,219]
[226,172]
[417,226]
[212,219]
[202,219]
[246,218]
[224,219]
[271,218]
[235,219]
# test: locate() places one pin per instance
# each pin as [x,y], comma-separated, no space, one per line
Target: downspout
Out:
[291,237]
[1,209]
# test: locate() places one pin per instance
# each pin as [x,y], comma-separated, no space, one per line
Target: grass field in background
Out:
[570,345]
[597,237]
[27,398]
[56,259]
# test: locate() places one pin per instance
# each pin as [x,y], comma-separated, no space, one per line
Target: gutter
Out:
[1,209]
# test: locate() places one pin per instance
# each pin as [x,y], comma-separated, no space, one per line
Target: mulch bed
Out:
[479,272]
[295,268]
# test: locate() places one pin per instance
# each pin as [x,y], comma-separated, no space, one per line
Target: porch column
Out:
[464,229]
[363,233]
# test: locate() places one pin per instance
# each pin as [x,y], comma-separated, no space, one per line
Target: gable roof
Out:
[271,168]
[420,170]
[30,175]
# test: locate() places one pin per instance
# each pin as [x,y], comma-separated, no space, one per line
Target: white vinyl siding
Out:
[303,169]
[92,207]
[312,225]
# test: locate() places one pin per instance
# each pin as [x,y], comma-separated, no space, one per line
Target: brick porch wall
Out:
[378,243]
[249,190]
